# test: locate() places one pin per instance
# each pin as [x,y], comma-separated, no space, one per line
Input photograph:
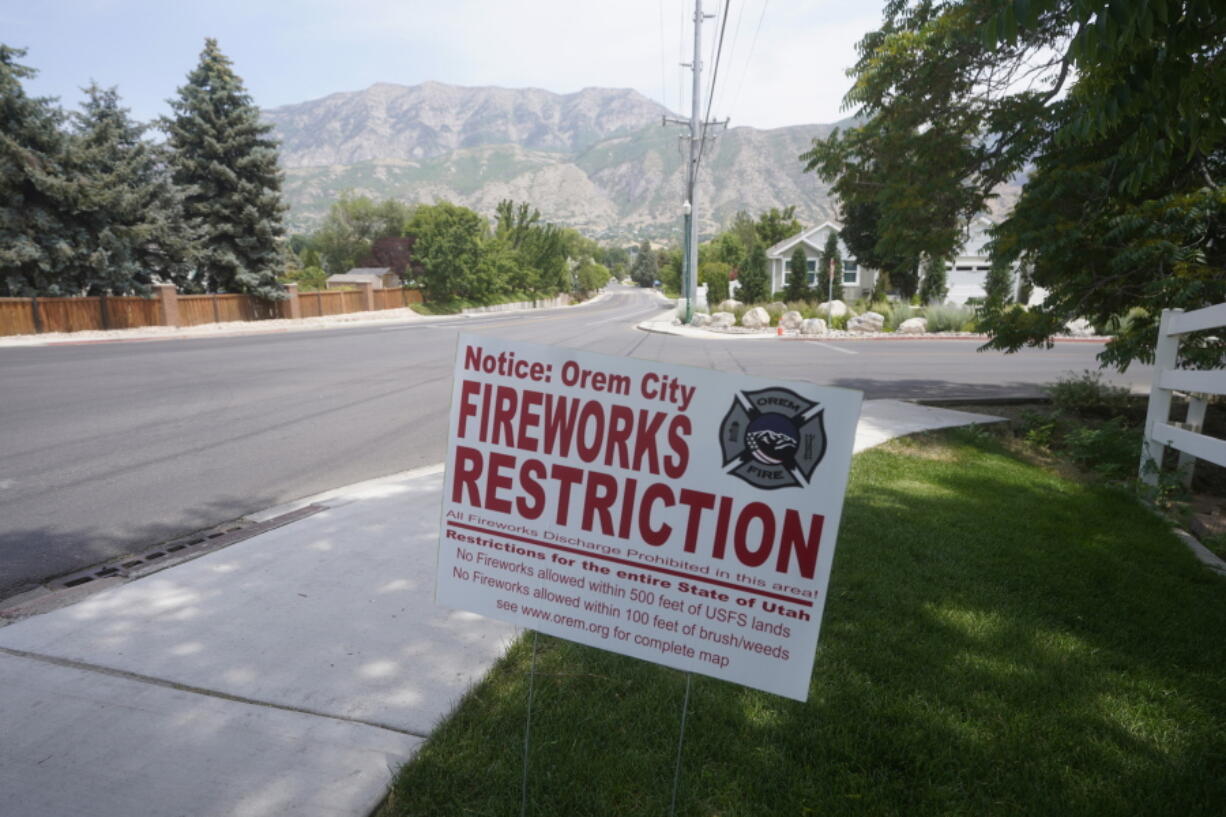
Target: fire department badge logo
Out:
[773,438]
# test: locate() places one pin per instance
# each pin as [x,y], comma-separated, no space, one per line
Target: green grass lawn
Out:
[997,641]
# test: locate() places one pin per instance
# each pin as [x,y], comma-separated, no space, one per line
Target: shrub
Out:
[895,313]
[1038,429]
[948,317]
[1110,450]
[1087,395]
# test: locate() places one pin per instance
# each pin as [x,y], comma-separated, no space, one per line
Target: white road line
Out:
[835,348]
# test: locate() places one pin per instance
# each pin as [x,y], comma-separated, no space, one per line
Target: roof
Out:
[362,275]
[788,243]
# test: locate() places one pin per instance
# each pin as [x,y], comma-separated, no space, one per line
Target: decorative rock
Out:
[868,322]
[729,305]
[1079,328]
[833,309]
[913,326]
[790,320]
[700,319]
[756,318]
[722,320]
[776,306]
[813,326]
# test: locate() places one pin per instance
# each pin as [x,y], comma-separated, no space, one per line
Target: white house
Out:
[966,276]
[968,272]
[858,281]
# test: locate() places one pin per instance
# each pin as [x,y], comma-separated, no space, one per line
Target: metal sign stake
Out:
[523,803]
[685,708]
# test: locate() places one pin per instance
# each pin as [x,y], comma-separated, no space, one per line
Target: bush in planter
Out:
[948,317]
[1087,395]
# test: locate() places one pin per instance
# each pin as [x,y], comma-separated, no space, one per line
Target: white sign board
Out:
[679,515]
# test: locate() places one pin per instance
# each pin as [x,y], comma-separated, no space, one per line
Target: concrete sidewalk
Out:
[288,674]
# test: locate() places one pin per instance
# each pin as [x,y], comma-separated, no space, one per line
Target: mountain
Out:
[597,160]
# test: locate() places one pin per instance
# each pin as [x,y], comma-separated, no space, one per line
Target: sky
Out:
[783,62]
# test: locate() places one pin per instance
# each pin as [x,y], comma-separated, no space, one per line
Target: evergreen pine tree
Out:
[755,283]
[227,163]
[934,287]
[830,257]
[998,286]
[646,269]
[797,288]
[132,212]
[40,235]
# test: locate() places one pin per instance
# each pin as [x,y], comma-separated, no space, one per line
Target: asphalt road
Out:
[107,449]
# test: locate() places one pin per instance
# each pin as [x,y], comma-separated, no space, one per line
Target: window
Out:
[851,271]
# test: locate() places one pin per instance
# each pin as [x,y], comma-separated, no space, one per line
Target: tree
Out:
[448,254]
[668,268]
[715,275]
[774,225]
[935,285]
[645,270]
[393,252]
[797,288]
[1113,110]
[746,231]
[998,286]
[755,282]
[542,249]
[353,226]
[590,277]
[132,213]
[226,162]
[40,233]
[830,268]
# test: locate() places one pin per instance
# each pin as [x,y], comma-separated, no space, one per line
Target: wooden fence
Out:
[27,316]
[396,298]
[197,309]
[330,302]
[1185,437]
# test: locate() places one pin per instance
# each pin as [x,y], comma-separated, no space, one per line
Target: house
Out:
[381,277]
[858,281]
[967,273]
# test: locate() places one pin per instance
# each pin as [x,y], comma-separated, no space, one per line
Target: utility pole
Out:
[689,263]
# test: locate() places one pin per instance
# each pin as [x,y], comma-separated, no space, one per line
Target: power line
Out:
[663,62]
[702,145]
[749,59]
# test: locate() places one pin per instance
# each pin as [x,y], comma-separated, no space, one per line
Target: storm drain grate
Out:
[214,540]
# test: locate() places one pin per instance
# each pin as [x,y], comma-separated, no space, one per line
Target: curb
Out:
[706,334]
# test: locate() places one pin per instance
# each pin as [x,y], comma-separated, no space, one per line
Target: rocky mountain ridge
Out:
[598,160]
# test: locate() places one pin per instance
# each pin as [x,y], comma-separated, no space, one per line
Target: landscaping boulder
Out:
[832,309]
[756,318]
[813,326]
[868,322]
[913,326]
[776,306]
[722,320]
[1079,328]
[729,305]
[700,319]
[790,319]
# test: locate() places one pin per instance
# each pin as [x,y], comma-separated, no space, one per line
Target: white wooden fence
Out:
[1185,437]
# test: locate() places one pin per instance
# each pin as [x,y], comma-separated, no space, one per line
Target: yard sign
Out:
[679,515]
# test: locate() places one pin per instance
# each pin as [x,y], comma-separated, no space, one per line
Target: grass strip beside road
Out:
[998,640]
